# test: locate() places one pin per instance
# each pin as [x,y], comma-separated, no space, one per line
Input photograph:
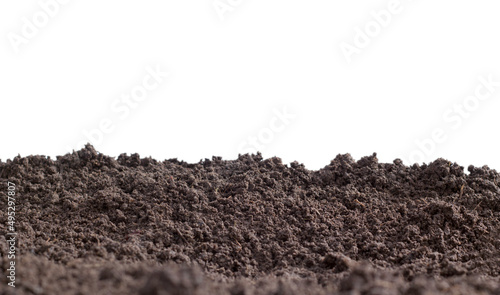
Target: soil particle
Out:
[92,224]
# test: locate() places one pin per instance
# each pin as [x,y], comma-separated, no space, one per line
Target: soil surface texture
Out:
[88,223]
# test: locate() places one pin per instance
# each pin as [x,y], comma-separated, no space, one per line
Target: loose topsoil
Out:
[92,224]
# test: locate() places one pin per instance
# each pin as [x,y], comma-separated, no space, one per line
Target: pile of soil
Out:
[88,223]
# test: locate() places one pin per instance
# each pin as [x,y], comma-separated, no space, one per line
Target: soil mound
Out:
[92,224]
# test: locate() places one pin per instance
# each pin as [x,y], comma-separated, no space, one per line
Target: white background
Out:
[231,70]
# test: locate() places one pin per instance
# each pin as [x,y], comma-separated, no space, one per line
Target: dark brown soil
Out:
[91,224]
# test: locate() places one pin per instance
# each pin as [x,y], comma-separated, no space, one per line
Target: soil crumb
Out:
[88,223]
